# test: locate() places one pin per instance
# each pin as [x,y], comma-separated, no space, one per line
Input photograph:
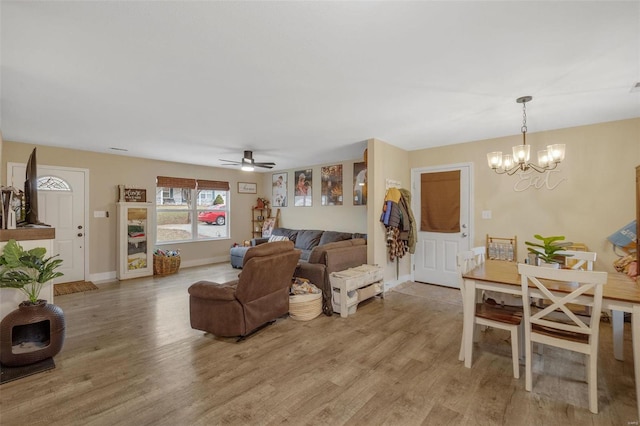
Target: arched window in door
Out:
[52,183]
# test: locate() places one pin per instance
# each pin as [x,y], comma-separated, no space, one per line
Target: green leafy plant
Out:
[27,270]
[550,246]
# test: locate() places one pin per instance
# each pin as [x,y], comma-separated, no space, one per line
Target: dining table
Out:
[621,294]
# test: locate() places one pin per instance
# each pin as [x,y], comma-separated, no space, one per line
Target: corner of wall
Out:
[385,162]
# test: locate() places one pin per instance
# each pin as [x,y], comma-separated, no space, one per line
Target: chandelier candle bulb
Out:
[543,158]
[494,159]
[521,153]
[556,152]
[507,162]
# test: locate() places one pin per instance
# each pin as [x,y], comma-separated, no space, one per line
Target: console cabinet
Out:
[136,239]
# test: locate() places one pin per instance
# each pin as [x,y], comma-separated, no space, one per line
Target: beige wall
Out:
[346,218]
[595,199]
[385,162]
[106,171]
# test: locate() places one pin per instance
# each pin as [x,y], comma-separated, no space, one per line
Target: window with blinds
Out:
[191,209]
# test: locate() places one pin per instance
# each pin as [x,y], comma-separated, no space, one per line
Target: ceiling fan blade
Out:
[229,161]
[248,161]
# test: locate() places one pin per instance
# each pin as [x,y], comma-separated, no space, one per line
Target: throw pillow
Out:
[277,238]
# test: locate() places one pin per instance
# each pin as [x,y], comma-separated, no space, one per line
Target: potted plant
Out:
[41,324]
[27,270]
[550,247]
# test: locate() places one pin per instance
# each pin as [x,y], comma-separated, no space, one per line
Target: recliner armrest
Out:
[214,291]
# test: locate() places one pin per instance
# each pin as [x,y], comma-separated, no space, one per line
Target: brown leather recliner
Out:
[258,296]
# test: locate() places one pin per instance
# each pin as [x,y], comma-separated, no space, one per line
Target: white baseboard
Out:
[105,277]
[205,261]
[388,285]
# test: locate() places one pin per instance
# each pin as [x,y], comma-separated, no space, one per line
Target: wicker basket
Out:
[305,307]
[165,265]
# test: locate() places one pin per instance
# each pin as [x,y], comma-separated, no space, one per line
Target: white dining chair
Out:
[502,317]
[569,332]
[577,260]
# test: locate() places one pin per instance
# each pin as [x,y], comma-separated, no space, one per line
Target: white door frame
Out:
[415,199]
[86,229]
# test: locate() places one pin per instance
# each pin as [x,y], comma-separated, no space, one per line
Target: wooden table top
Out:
[618,287]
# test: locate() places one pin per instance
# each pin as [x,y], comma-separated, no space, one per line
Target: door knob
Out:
[79,234]
[464,234]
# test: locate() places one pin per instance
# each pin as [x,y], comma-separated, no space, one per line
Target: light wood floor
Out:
[130,357]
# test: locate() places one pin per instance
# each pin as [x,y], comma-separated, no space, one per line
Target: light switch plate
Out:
[486,214]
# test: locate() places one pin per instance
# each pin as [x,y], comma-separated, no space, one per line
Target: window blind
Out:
[174,182]
[440,202]
[213,184]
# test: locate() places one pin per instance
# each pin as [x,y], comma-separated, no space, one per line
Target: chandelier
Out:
[548,159]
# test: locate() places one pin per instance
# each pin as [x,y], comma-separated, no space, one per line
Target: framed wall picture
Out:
[279,190]
[247,188]
[302,189]
[360,184]
[331,185]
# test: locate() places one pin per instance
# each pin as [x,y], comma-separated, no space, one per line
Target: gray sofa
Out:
[322,252]
[306,240]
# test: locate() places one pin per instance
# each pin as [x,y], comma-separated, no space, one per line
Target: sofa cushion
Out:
[307,239]
[291,234]
[333,236]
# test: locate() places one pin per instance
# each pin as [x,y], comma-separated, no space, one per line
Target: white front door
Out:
[61,204]
[435,256]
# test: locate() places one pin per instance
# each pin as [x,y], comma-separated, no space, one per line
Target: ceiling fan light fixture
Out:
[247,164]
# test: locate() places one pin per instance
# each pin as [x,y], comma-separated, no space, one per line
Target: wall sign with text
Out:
[135,195]
[529,179]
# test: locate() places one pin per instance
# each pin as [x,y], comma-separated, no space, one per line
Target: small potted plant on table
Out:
[550,246]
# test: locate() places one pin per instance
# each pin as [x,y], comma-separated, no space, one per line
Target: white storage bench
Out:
[353,285]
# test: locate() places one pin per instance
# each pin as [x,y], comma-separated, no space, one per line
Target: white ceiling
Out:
[305,83]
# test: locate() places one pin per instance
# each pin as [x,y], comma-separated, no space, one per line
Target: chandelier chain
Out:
[523,129]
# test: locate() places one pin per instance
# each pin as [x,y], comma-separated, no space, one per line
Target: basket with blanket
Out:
[166,262]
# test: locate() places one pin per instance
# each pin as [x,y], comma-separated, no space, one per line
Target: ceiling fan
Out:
[248,163]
